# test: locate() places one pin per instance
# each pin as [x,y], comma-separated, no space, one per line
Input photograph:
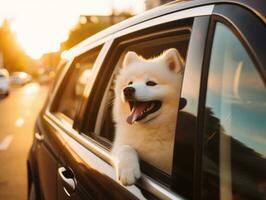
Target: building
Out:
[149,4]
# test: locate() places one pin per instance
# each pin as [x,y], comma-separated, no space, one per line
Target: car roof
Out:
[256,6]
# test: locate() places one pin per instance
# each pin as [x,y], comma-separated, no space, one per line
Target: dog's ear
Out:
[129,58]
[173,60]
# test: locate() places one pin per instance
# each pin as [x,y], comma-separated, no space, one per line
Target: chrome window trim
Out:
[183,14]
[159,190]
[78,50]
[98,64]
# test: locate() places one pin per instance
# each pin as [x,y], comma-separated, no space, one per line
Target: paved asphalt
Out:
[17,116]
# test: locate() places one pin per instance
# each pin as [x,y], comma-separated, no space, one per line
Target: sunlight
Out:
[42,34]
[19,122]
[1,21]
[136,6]
[31,88]
[41,25]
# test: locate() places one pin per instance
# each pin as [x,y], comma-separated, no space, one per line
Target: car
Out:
[219,147]
[46,78]
[4,82]
[20,78]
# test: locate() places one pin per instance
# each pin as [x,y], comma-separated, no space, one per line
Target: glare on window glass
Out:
[234,161]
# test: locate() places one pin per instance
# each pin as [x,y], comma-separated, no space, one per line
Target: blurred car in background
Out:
[20,78]
[46,77]
[4,82]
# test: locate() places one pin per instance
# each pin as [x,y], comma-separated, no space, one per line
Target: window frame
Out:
[172,34]
[238,20]
[68,67]
[67,76]
[121,44]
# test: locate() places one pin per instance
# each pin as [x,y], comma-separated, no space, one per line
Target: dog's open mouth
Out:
[140,109]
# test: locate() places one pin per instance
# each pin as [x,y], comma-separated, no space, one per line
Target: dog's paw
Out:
[128,172]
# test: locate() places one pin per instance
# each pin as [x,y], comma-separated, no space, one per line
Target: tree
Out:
[14,58]
[89,25]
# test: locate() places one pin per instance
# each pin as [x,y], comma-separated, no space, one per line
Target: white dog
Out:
[145,111]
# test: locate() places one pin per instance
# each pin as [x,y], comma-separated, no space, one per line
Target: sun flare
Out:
[41,25]
[41,34]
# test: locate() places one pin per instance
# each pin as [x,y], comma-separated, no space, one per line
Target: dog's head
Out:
[147,89]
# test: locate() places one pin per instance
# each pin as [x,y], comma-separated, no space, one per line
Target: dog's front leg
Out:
[127,164]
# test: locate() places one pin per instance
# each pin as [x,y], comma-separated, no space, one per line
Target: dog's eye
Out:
[130,83]
[151,83]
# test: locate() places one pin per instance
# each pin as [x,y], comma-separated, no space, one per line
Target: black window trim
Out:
[195,60]
[238,27]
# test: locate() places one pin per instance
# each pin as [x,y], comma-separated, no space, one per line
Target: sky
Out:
[41,25]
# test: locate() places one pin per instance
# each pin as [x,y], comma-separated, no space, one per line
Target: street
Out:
[18,113]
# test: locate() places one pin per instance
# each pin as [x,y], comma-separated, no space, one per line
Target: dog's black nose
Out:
[129,92]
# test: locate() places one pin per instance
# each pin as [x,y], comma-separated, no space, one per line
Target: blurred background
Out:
[34,36]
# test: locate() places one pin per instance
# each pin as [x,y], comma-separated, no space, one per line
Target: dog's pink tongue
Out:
[136,111]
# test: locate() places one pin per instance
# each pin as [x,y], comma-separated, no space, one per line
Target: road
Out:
[17,116]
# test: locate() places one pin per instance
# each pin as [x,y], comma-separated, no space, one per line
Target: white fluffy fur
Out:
[152,140]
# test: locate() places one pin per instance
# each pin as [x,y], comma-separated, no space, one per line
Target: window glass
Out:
[147,49]
[234,160]
[58,72]
[72,87]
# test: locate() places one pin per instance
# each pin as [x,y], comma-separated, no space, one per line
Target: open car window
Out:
[149,48]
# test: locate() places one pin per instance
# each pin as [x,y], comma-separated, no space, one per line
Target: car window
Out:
[234,159]
[58,73]
[150,48]
[72,87]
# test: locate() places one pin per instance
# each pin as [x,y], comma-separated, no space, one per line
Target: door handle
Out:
[39,137]
[68,180]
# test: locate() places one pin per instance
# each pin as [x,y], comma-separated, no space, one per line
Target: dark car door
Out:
[46,148]
[46,157]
